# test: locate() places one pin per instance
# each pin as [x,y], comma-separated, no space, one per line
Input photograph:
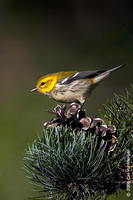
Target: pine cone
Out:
[76,118]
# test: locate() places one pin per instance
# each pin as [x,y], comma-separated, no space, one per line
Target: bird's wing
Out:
[97,75]
[80,75]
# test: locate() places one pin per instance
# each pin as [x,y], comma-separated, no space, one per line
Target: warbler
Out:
[71,86]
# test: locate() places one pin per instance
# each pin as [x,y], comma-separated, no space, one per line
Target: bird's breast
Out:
[74,92]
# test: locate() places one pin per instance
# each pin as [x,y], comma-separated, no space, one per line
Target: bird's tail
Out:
[115,68]
[104,74]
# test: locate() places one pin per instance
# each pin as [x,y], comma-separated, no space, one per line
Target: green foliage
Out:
[66,164]
[119,112]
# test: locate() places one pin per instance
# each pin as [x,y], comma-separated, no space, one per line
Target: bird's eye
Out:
[42,83]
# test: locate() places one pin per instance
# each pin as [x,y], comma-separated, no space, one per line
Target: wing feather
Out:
[97,74]
[81,75]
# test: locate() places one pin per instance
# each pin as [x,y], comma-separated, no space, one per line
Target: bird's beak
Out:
[35,89]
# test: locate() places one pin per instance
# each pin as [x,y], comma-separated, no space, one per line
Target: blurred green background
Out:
[40,37]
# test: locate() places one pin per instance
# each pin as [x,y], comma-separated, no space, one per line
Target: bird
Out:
[71,86]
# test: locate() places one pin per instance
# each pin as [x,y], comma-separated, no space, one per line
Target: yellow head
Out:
[46,83]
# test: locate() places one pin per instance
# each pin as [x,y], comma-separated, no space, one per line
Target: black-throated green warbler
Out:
[71,86]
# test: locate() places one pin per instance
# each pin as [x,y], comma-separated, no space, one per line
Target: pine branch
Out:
[79,158]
